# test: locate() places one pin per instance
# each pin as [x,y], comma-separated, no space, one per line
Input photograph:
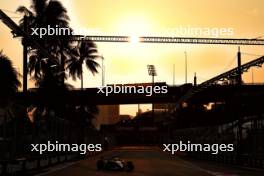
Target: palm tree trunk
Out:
[82,80]
[62,69]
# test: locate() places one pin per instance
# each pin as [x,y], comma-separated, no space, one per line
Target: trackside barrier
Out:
[22,166]
[232,159]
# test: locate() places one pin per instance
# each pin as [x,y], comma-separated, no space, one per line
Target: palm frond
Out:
[8,76]
[24,10]
[92,66]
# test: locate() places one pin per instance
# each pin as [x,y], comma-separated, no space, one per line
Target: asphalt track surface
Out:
[150,162]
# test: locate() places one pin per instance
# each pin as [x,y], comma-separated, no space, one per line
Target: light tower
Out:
[152,72]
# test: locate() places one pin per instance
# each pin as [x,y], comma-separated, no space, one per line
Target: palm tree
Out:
[42,14]
[48,72]
[85,53]
[8,77]
[10,83]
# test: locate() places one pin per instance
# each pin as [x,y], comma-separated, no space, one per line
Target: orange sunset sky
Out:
[127,62]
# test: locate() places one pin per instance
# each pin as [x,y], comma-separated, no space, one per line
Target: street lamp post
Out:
[152,72]
[103,71]
[252,75]
[186,67]
[173,82]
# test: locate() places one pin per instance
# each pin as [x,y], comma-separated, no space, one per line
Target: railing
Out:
[231,159]
[24,166]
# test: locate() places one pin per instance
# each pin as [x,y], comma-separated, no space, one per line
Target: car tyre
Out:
[130,166]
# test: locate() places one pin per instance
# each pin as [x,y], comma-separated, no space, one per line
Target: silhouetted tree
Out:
[84,54]
[50,74]
[42,14]
[8,77]
[12,114]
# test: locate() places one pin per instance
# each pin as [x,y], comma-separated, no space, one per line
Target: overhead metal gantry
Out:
[186,40]
[233,73]
[19,32]
[27,41]
[218,80]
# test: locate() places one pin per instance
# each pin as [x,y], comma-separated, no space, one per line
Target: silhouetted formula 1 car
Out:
[115,164]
